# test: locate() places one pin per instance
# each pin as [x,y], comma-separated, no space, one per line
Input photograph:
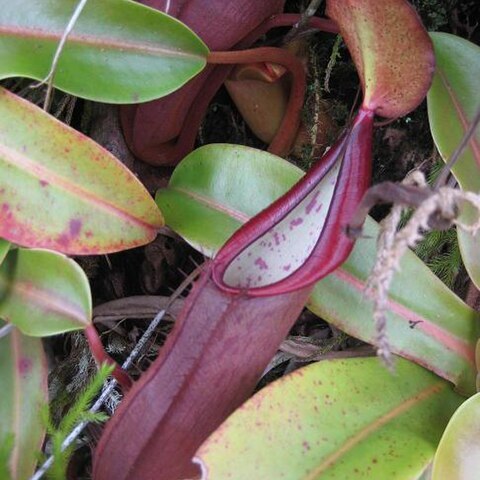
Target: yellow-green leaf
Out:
[336,419]
[458,455]
[43,293]
[60,190]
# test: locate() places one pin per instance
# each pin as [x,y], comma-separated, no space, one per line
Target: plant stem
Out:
[96,347]
[285,135]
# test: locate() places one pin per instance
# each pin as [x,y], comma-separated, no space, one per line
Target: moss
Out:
[435,13]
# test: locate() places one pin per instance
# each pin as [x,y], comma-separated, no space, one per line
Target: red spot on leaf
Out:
[75,226]
[24,366]
[63,240]
[260,262]
[295,223]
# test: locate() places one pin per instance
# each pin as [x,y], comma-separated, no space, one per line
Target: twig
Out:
[51,74]
[5,330]
[302,23]
[107,390]
[439,208]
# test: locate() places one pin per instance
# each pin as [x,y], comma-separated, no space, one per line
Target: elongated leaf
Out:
[335,419]
[43,293]
[458,455]
[391,50]
[23,377]
[453,101]
[118,52]
[4,246]
[62,191]
[218,187]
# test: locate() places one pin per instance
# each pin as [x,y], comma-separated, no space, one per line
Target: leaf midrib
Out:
[100,43]
[372,427]
[25,166]
[47,301]
[462,115]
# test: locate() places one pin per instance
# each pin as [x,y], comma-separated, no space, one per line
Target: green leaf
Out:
[458,455]
[62,191]
[453,101]
[391,50]
[43,293]
[337,419]
[6,448]
[118,52]
[218,187]
[4,246]
[23,376]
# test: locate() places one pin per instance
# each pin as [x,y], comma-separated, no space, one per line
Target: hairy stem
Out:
[285,135]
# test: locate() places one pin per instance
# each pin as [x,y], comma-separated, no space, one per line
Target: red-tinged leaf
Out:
[219,187]
[43,293]
[60,190]
[23,377]
[453,101]
[391,50]
[426,321]
[458,455]
[220,345]
[300,238]
[335,420]
[150,137]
